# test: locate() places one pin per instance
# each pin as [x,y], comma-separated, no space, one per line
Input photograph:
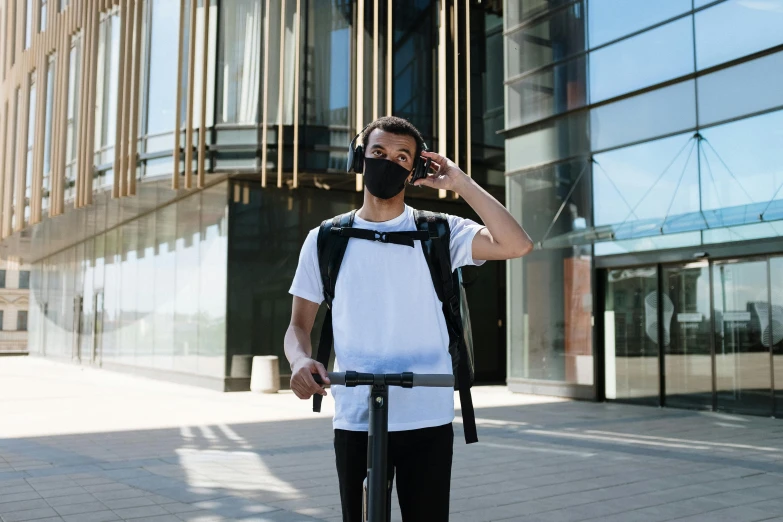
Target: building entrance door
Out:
[704,335]
[742,336]
[688,352]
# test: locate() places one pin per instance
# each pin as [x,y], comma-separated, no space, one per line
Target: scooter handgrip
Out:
[334,378]
[433,380]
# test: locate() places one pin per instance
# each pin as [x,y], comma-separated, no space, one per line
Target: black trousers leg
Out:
[420,458]
[350,450]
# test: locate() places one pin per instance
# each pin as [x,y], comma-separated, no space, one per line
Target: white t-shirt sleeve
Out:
[462,233]
[307,281]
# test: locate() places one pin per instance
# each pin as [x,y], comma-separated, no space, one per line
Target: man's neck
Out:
[377,210]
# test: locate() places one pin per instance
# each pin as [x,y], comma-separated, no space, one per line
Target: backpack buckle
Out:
[381,236]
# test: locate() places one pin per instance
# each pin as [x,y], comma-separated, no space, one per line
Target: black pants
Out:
[421,460]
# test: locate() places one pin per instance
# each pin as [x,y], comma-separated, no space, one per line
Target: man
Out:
[387,318]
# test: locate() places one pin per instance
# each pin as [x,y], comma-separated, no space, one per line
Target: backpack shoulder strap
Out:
[331,250]
[437,252]
[438,255]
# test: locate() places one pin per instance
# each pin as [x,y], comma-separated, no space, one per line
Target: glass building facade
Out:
[162,161]
[643,156]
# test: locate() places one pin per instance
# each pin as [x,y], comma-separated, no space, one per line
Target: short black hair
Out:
[395,125]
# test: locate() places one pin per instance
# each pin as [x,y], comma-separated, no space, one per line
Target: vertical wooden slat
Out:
[265,97]
[441,68]
[281,96]
[122,75]
[135,97]
[126,88]
[468,117]
[94,16]
[359,78]
[84,103]
[375,51]
[178,100]
[389,55]
[191,89]
[297,52]
[202,130]
[40,133]
[4,110]
[455,34]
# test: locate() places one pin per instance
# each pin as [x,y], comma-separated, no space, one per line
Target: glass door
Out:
[631,335]
[742,356]
[774,335]
[688,350]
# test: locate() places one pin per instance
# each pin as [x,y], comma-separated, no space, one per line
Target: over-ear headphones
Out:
[356,159]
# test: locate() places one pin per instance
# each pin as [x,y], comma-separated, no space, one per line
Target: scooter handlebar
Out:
[430,380]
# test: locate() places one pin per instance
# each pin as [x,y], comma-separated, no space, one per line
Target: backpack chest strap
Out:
[398,238]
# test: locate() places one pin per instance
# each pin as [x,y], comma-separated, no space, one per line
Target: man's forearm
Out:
[297,344]
[505,230]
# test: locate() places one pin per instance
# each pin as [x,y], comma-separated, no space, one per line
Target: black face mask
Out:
[384,179]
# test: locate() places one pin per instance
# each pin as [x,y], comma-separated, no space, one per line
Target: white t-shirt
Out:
[387,318]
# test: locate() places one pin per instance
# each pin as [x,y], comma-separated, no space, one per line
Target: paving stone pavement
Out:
[85,445]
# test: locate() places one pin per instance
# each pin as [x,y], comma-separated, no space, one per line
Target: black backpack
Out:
[434,233]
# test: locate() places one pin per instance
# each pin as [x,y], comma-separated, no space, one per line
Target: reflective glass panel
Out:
[652,180]
[687,328]
[773,334]
[550,290]
[631,335]
[213,269]
[50,76]
[736,28]
[649,115]
[741,357]
[31,123]
[652,57]
[546,93]
[517,11]
[240,61]
[743,89]
[413,81]
[610,19]
[741,162]
[553,39]
[161,101]
[563,138]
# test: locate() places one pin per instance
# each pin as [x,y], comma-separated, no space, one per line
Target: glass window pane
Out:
[50,76]
[658,55]
[743,89]
[549,92]
[163,66]
[736,28]
[631,335]
[413,85]
[213,270]
[649,115]
[741,162]
[550,40]
[646,182]
[559,139]
[240,61]
[610,19]
[550,289]
[28,25]
[517,11]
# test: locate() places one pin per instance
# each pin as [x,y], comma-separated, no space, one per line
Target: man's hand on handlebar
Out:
[302,382]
